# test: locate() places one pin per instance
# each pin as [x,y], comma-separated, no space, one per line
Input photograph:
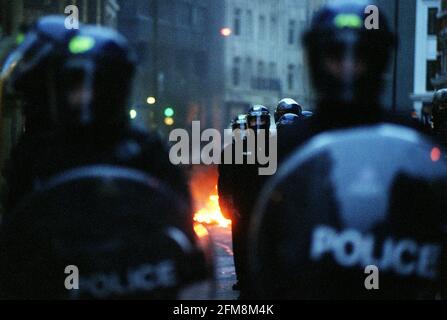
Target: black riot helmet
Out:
[240,122]
[439,115]
[307,114]
[440,97]
[348,56]
[289,119]
[287,105]
[30,70]
[258,118]
[371,203]
[440,102]
[95,79]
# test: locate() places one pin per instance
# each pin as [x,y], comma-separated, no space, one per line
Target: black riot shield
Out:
[103,233]
[356,214]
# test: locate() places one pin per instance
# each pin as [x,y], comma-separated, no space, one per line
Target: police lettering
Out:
[350,248]
[143,278]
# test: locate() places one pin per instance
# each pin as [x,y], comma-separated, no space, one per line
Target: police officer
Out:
[227,172]
[251,182]
[78,114]
[347,65]
[439,115]
[92,182]
[355,215]
[229,184]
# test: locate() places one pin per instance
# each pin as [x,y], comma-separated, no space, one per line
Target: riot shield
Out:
[356,214]
[102,233]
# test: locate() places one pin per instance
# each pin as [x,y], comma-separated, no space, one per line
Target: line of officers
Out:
[85,191]
[240,184]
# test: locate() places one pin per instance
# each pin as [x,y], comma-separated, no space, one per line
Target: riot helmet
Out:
[287,105]
[95,79]
[347,57]
[258,118]
[289,119]
[29,72]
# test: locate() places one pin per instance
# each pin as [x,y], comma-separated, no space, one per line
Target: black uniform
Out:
[439,116]
[242,183]
[36,158]
[292,137]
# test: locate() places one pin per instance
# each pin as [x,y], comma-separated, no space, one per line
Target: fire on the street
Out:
[211,214]
[204,191]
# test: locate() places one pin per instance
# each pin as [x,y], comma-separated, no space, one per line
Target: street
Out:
[225,274]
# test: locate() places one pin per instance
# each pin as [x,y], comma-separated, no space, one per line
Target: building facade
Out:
[263,56]
[179,50]
[425,58]
[440,80]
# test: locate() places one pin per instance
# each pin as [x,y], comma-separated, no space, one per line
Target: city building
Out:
[425,58]
[180,53]
[440,80]
[263,56]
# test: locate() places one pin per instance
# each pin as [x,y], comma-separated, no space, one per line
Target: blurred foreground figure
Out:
[75,108]
[372,196]
[347,64]
[90,191]
[370,193]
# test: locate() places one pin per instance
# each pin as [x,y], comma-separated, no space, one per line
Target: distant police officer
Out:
[229,185]
[439,115]
[370,199]
[251,181]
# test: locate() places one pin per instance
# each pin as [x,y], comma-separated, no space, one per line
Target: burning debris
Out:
[204,192]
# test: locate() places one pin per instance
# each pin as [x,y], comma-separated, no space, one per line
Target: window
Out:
[261,27]
[200,64]
[248,70]
[273,27]
[432,17]
[165,10]
[237,22]
[291,77]
[249,23]
[260,69]
[431,73]
[272,70]
[199,17]
[184,14]
[236,74]
[291,33]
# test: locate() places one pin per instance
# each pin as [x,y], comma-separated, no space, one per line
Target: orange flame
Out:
[211,214]
[200,230]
